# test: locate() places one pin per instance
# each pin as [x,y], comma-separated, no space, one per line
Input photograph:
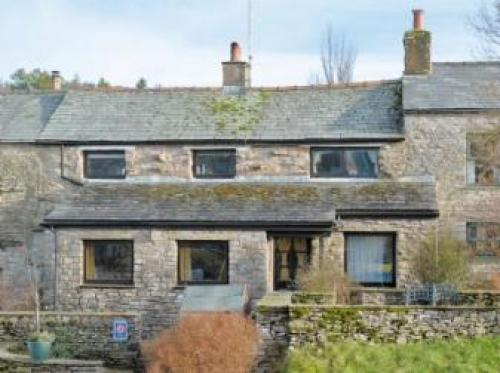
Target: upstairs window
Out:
[484,238]
[483,159]
[344,162]
[105,164]
[108,262]
[215,164]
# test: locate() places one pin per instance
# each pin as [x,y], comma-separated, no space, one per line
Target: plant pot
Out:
[39,351]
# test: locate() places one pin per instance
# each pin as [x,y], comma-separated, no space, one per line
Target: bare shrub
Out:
[327,277]
[442,258]
[208,342]
[15,298]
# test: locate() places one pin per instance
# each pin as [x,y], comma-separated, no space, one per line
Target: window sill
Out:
[107,286]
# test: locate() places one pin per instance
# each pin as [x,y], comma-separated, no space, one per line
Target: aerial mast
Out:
[250,27]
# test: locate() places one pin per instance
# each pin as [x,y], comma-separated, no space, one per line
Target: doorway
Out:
[291,256]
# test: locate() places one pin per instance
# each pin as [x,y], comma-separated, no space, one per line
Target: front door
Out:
[291,255]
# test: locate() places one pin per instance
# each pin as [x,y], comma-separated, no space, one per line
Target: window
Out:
[203,262]
[105,165]
[370,258]
[484,238]
[344,162]
[483,159]
[215,163]
[108,262]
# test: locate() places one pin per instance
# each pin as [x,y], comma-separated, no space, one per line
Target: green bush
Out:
[442,258]
[467,355]
[41,337]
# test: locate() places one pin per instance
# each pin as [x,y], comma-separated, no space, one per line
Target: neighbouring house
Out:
[129,196]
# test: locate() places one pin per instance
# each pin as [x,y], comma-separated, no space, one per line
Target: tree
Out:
[486,24]
[141,83]
[103,83]
[35,79]
[338,58]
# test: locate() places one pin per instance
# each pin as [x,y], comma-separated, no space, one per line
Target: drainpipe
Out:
[54,233]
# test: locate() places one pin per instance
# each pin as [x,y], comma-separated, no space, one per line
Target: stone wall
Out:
[175,162]
[155,292]
[285,327]
[409,234]
[436,145]
[30,184]
[91,333]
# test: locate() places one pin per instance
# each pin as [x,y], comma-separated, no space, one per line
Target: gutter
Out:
[388,213]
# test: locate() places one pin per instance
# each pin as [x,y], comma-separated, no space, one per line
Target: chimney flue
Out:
[56,80]
[417,43]
[235,52]
[418,19]
[235,72]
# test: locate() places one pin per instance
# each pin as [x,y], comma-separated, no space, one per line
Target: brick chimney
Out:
[56,81]
[417,43]
[235,72]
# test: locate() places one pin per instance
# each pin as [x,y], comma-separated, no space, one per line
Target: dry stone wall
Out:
[89,335]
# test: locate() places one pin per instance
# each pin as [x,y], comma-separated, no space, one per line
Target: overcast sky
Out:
[182,42]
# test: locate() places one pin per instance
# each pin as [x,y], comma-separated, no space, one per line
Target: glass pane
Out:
[216,163]
[484,156]
[292,254]
[370,259]
[357,163]
[203,262]
[484,238]
[109,261]
[105,165]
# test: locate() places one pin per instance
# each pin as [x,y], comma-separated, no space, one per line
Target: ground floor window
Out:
[484,238]
[370,258]
[108,262]
[203,262]
[291,255]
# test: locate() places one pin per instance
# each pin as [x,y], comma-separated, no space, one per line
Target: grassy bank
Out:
[474,355]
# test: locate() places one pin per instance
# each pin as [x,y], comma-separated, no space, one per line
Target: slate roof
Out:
[305,113]
[23,117]
[454,86]
[242,204]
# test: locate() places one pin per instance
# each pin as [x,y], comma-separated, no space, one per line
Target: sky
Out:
[183,42]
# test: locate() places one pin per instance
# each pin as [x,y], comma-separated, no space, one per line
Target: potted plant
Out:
[39,345]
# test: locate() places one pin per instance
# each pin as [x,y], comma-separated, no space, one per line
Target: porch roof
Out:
[236,204]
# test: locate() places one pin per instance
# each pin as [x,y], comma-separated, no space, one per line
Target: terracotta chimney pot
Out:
[236,52]
[418,19]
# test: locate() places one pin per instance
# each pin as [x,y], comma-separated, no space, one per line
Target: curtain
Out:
[369,258]
[90,270]
[185,264]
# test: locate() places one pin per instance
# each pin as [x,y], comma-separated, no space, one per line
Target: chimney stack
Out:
[56,81]
[235,72]
[417,43]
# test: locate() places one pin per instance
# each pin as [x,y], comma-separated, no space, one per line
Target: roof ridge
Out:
[284,88]
[467,63]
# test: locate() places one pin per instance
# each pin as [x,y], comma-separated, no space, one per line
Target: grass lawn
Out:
[467,355]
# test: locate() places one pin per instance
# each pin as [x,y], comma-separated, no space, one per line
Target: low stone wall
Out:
[321,324]
[286,325]
[90,333]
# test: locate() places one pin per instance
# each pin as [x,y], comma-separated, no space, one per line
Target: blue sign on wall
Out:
[120,330]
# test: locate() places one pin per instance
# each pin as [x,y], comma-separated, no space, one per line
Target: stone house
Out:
[129,196]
